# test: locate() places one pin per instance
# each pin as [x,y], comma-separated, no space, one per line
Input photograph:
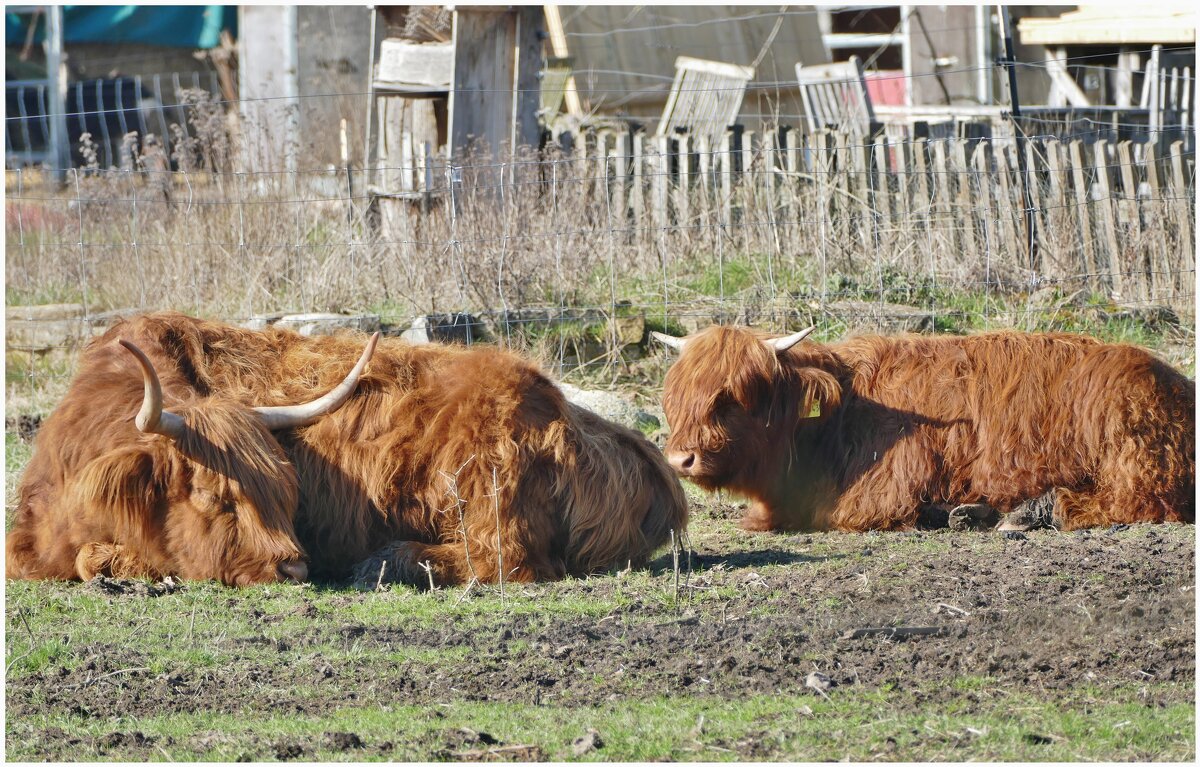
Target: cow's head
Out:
[735,398]
[208,493]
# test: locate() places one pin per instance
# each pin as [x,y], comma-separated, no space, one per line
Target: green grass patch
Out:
[858,725]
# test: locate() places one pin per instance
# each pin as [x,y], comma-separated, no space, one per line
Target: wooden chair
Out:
[835,98]
[1167,93]
[705,98]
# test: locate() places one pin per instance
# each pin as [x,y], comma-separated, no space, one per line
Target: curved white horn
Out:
[294,416]
[152,419]
[671,341]
[787,342]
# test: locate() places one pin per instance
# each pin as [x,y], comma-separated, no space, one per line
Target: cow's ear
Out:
[819,392]
[122,486]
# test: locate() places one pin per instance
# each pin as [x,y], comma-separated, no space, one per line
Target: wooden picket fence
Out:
[1115,217]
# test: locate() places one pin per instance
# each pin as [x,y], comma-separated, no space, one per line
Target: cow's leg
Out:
[1078,509]
[112,560]
[1032,514]
[758,518]
[450,564]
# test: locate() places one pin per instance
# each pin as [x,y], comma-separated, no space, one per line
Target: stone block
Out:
[459,327]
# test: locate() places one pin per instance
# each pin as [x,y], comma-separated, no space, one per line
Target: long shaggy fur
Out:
[859,435]
[459,458]
[100,497]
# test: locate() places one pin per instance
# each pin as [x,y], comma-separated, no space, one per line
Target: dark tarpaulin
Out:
[177,26]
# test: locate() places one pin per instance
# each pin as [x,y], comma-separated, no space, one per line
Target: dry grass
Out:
[548,229]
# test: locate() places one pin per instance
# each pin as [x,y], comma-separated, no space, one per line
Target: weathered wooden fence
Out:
[1110,217]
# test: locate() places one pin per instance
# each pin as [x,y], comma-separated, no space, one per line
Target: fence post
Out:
[636,193]
[659,181]
[1019,134]
[1083,215]
[979,161]
[1006,204]
[683,186]
[1106,217]
[1183,215]
[943,216]
[883,187]
[600,177]
[1133,221]
[1055,210]
[725,158]
[965,220]
[620,180]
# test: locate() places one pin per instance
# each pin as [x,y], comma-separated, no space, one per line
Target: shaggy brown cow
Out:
[202,491]
[437,448]
[860,434]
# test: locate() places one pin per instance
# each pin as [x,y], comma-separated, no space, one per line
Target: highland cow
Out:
[861,434]
[459,462]
[119,485]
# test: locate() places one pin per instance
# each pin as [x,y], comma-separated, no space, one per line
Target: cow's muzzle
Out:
[684,462]
[295,570]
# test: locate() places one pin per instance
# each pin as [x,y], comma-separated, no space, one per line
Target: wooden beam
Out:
[1062,84]
[558,43]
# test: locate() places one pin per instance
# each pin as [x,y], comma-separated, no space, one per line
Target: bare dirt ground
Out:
[1042,614]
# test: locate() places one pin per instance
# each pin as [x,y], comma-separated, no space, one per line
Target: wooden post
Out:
[659,182]
[1131,221]
[600,172]
[841,202]
[1032,189]
[943,215]
[902,188]
[1183,214]
[924,201]
[1056,210]
[965,220]
[683,188]
[1105,203]
[1082,212]
[1162,277]
[636,194]
[725,157]
[979,161]
[620,168]
[1007,205]
[1019,133]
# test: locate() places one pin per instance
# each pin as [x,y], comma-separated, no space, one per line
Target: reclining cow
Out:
[457,459]
[200,491]
[861,434]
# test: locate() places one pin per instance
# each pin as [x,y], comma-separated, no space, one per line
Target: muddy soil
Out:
[1042,611]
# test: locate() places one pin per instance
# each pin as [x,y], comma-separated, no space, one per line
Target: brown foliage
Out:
[908,421]
[409,461]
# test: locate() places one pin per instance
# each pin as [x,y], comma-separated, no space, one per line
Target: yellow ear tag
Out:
[815,410]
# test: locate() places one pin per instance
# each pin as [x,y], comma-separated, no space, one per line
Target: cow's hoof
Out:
[1034,514]
[393,563]
[973,516]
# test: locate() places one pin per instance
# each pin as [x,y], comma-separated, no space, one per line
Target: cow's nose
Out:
[682,461]
[296,571]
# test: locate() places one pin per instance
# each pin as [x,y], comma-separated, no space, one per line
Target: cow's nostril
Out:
[296,571]
[681,461]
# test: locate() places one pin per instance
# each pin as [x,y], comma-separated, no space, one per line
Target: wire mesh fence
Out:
[573,250]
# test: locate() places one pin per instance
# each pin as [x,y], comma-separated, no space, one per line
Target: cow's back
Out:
[1006,416]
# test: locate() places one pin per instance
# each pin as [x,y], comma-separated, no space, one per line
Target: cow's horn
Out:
[671,341]
[295,416]
[787,342]
[152,419]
